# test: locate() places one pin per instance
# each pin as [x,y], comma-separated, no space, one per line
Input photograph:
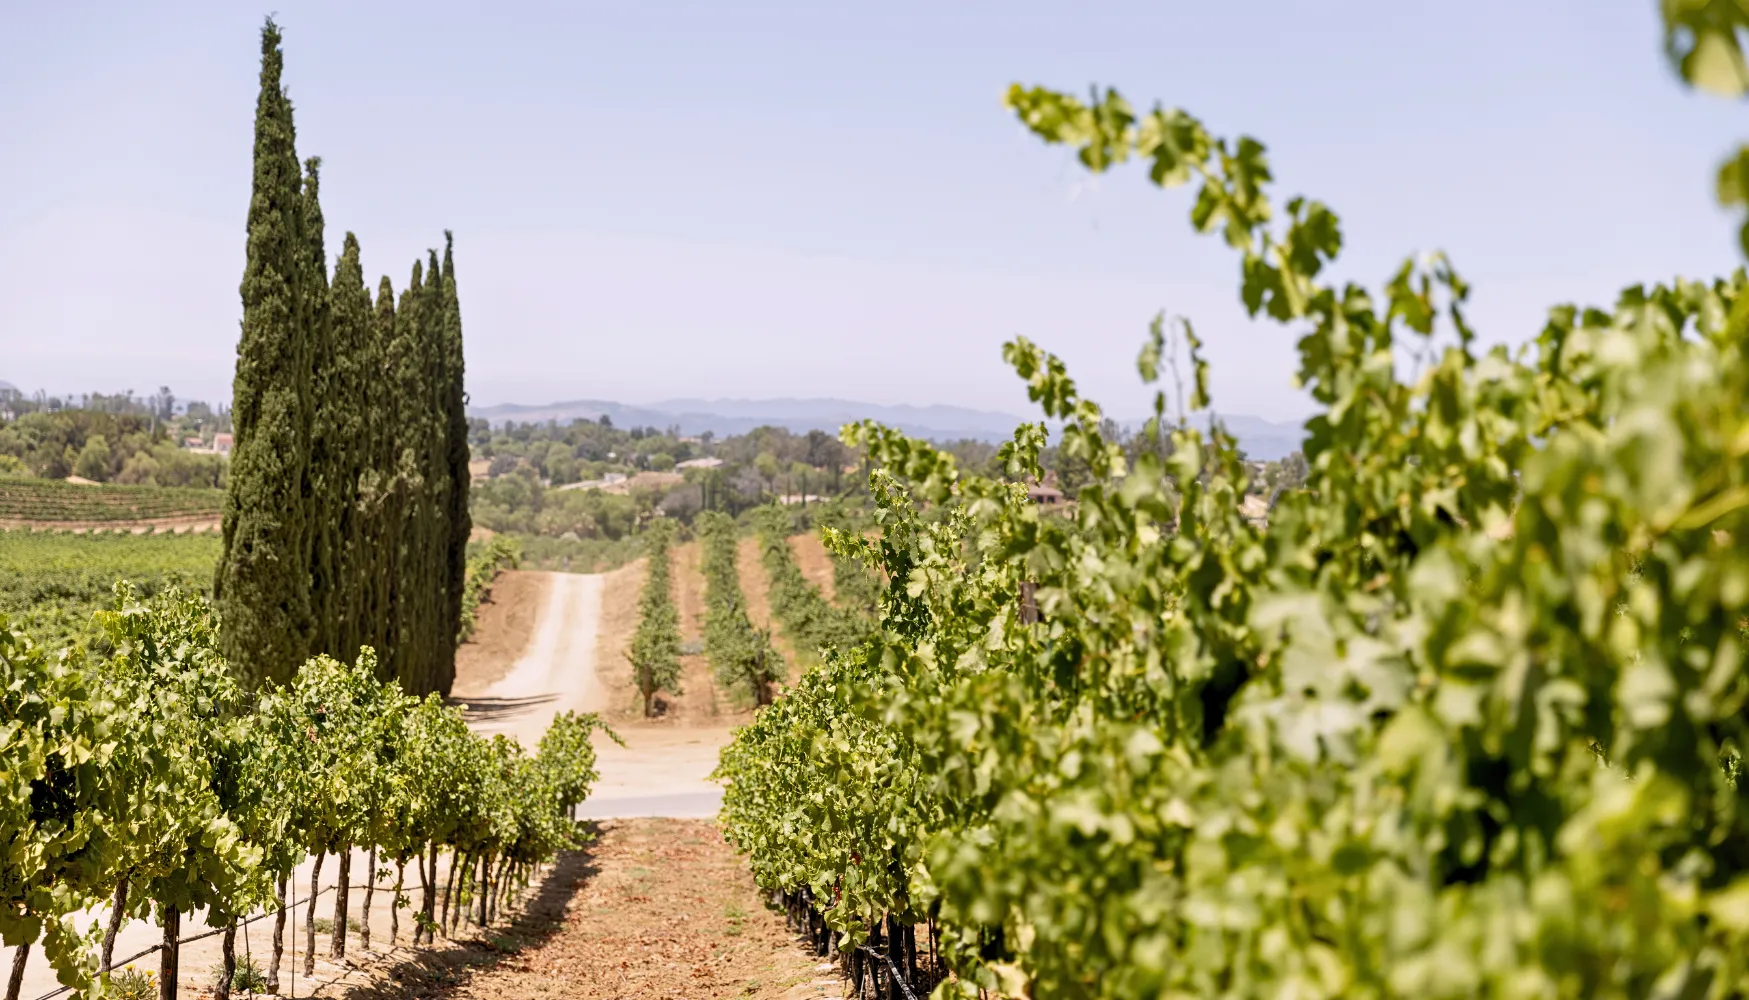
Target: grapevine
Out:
[741,653]
[655,646]
[45,500]
[810,621]
[1462,719]
[153,782]
[501,553]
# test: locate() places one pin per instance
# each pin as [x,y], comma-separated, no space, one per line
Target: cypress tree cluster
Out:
[346,519]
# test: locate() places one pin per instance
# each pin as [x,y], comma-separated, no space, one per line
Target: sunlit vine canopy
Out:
[1462,719]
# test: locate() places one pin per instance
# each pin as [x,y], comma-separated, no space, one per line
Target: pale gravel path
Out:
[556,673]
[662,770]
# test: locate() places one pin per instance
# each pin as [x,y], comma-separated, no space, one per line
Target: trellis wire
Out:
[290,907]
[898,977]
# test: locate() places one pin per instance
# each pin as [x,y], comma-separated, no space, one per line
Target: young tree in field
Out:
[454,402]
[261,585]
[655,648]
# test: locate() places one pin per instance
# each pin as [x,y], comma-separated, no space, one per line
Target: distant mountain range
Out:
[1261,439]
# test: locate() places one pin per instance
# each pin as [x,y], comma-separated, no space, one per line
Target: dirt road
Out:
[556,671]
[661,771]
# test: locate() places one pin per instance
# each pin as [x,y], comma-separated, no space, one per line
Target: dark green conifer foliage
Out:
[455,403]
[436,643]
[382,489]
[261,584]
[323,474]
[412,604]
[348,423]
[346,520]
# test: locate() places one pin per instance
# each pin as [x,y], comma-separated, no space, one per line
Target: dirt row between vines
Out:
[654,909]
[815,562]
[657,907]
[507,619]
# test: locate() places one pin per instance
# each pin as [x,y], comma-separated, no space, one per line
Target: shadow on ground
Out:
[448,968]
[499,709]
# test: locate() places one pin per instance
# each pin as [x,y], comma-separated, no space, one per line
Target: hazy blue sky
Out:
[757,199]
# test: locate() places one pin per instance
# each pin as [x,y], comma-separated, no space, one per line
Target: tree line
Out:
[104,444]
[346,513]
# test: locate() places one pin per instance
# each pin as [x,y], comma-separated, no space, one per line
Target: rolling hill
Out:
[1261,439]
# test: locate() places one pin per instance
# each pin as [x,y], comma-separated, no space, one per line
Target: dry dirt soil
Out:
[502,630]
[702,699]
[757,589]
[656,908]
[620,590]
[815,563]
[700,704]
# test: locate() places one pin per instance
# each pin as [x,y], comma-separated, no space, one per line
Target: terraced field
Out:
[55,500]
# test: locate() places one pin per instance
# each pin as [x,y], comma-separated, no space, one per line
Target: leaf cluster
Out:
[1464,718]
[811,622]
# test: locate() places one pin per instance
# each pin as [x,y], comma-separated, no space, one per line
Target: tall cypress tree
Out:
[352,391]
[455,402]
[437,640]
[261,584]
[322,474]
[381,486]
[412,588]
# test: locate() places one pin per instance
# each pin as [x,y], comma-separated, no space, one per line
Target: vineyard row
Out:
[47,500]
[742,655]
[153,783]
[1466,717]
